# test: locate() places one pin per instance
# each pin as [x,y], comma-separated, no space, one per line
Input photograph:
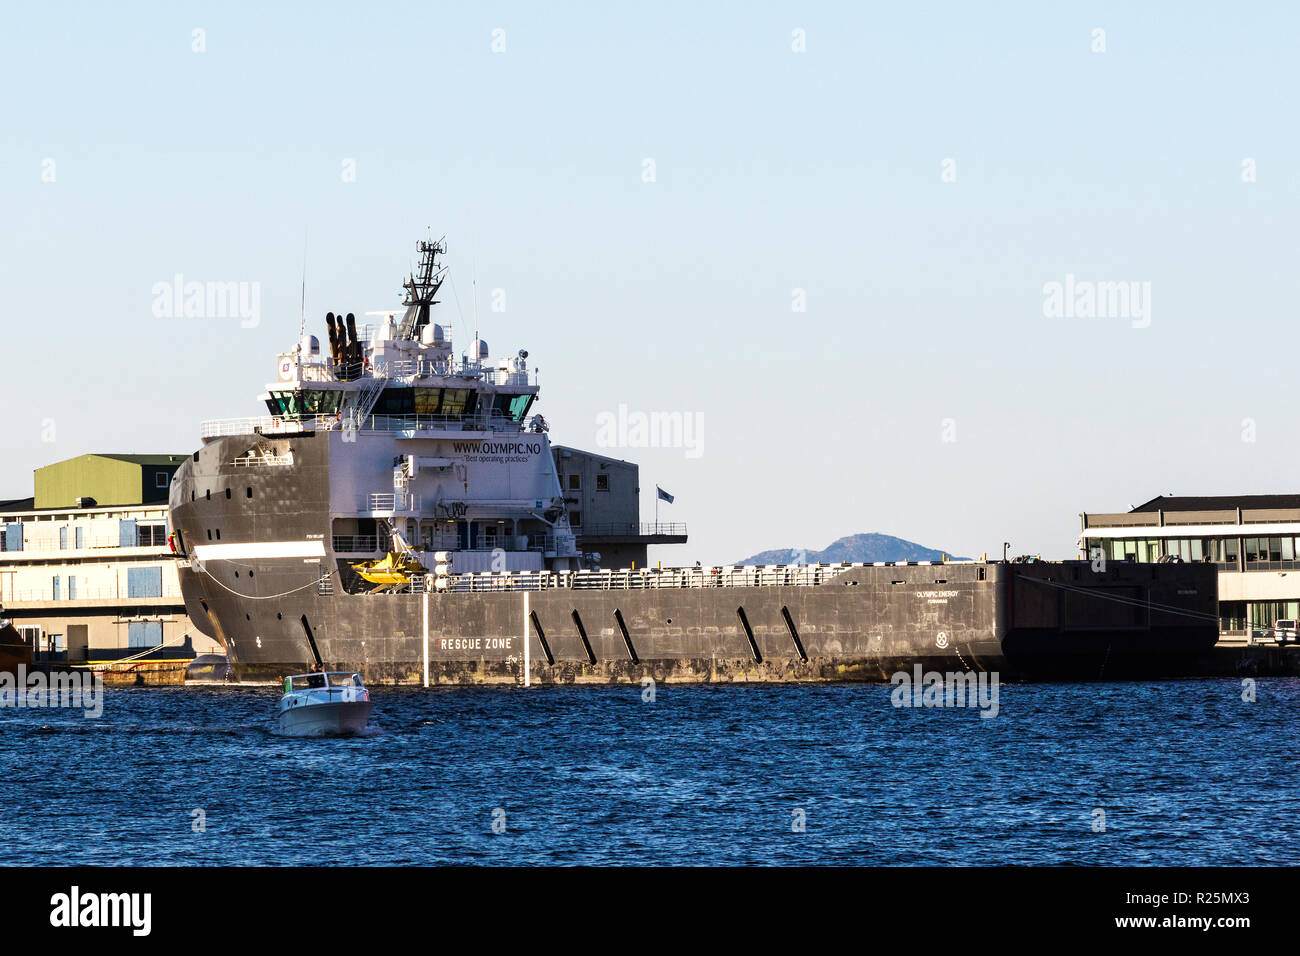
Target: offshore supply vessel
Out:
[398,512]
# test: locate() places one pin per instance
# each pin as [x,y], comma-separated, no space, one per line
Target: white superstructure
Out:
[437,446]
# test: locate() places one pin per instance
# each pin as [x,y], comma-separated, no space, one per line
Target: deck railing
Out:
[48,546]
[355,543]
[630,529]
[401,424]
[406,370]
[370,544]
[801,575]
[251,461]
[85,594]
[383,503]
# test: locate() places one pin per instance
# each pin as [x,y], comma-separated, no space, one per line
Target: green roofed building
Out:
[106,481]
[86,573]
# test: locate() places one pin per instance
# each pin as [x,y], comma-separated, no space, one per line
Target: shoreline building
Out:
[86,571]
[602,496]
[1251,539]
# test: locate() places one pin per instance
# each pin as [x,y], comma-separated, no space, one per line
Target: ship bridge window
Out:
[427,401]
[458,401]
[514,406]
[395,401]
[322,401]
[282,403]
[313,402]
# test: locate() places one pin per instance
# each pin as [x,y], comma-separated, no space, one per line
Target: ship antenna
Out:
[302,323]
[475,284]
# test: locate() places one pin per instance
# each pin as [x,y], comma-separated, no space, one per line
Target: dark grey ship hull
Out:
[864,623]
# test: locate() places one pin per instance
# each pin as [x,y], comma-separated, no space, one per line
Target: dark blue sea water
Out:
[1186,773]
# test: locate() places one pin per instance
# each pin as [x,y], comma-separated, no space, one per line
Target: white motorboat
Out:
[325,703]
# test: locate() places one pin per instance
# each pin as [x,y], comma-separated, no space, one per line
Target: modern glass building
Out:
[1252,539]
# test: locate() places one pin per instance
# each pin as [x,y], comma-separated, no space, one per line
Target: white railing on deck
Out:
[277,425]
[264,425]
[399,503]
[407,370]
[95,544]
[84,594]
[249,461]
[794,575]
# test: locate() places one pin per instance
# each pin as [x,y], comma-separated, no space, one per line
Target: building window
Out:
[144,633]
[144,582]
[72,588]
[63,539]
[575,482]
[1220,551]
[56,587]
[81,538]
[1123,550]
[1262,614]
[1232,616]
[1270,554]
[151,536]
[602,482]
[575,518]
[160,479]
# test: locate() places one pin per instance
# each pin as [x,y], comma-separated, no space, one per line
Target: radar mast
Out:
[421,287]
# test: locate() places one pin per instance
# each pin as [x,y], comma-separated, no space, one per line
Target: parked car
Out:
[1285,631]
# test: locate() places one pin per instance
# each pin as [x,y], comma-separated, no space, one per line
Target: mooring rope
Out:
[268,597]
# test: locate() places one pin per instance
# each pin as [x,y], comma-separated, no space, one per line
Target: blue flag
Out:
[663,495]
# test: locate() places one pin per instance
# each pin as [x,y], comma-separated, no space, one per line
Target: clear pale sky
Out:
[775,171]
